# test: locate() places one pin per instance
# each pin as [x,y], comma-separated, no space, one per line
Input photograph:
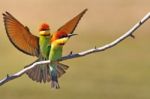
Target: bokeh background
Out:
[122,72]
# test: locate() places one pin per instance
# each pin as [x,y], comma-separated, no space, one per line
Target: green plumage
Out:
[44,46]
[55,54]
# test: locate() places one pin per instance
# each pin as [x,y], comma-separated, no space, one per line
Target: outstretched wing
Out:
[70,26]
[20,36]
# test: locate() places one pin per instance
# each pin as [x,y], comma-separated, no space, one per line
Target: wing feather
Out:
[20,36]
[70,26]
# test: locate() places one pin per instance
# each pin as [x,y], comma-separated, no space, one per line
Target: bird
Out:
[40,47]
[58,40]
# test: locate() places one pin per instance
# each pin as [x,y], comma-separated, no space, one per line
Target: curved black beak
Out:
[70,35]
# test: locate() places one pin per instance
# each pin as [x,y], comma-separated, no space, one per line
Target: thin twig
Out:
[83,53]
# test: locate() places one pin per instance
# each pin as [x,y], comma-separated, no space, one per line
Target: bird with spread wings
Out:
[21,37]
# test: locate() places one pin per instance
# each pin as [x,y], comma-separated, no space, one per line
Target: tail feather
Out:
[55,84]
[35,73]
[31,74]
[48,77]
[57,72]
[54,73]
[40,73]
[44,75]
[61,69]
[63,66]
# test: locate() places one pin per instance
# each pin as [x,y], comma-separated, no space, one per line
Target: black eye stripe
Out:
[63,36]
[44,29]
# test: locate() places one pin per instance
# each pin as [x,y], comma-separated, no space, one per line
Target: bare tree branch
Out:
[83,53]
[112,44]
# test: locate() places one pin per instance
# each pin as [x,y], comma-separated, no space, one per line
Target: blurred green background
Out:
[122,72]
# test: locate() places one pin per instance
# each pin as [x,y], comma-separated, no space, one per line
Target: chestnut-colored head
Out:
[60,38]
[58,35]
[44,30]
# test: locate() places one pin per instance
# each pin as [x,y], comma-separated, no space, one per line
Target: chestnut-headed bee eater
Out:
[57,42]
[21,37]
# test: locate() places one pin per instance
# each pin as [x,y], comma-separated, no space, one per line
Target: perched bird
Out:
[57,42]
[21,37]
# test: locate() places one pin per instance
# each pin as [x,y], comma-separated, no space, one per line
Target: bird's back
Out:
[44,46]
